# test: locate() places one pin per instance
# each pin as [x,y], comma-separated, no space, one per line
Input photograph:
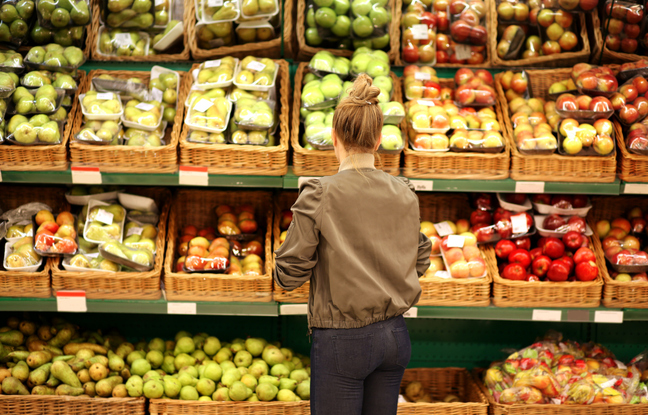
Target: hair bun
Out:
[363,92]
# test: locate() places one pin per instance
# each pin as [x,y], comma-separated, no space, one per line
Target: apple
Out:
[558,271]
[514,272]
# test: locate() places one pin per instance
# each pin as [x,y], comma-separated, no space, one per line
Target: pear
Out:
[118,5]
[266,391]
[230,376]
[119,18]
[211,345]
[49,133]
[269,379]
[303,390]
[153,389]
[206,387]
[25,133]
[221,394]
[14,122]
[80,14]
[249,380]
[172,386]
[299,375]
[289,384]
[135,386]
[188,393]
[60,18]
[243,358]
[286,395]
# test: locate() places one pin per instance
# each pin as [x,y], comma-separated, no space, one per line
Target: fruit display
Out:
[55,58]
[467,21]
[252,114]
[216,73]
[582,139]
[637,138]
[554,371]
[139,259]
[501,224]
[622,240]
[623,25]
[89,262]
[37,130]
[631,102]
[419,38]
[317,130]
[104,222]
[474,89]
[145,138]
[21,256]
[55,237]
[435,116]
[164,86]
[324,63]
[142,115]
[584,107]
[511,42]
[228,11]
[594,80]
[489,141]
[557,31]
[236,221]
[205,255]
[415,392]
[57,14]
[100,133]
[372,62]
[256,74]
[11,61]
[116,42]
[15,20]
[102,106]
[208,114]
[126,14]
[547,204]
[43,100]
[462,257]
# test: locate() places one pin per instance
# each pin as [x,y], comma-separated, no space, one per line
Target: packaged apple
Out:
[468,21]
[511,42]
[54,238]
[104,222]
[594,80]
[217,73]
[558,30]
[564,205]
[237,93]
[636,138]
[210,259]
[20,256]
[320,94]
[391,140]
[39,130]
[474,89]
[145,138]
[421,82]
[566,86]
[324,63]
[427,116]
[369,20]
[238,135]
[237,223]
[81,195]
[448,51]
[515,85]
[393,112]
[533,134]
[462,256]
[55,58]
[513,12]
[433,142]
[514,202]
[629,70]
[476,141]
[256,74]
[58,80]
[11,61]
[209,114]
[319,137]
[384,83]
[570,106]
[631,102]
[372,62]
[419,44]
[502,224]
[557,225]
[583,139]
[132,258]
[101,106]
[89,262]
[620,241]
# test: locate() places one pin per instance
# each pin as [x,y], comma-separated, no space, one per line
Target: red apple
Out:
[573,240]
[553,248]
[586,271]
[553,222]
[540,265]
[558,271]
[514,272]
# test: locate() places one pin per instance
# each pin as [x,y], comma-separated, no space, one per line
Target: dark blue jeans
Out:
[359,371]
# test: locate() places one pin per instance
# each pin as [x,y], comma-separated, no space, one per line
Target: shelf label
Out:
[462,52]
[72,301]
[578,315]
[443,228]
[423,185]
[519,223]
[193,176]
[411,313]
[635,188]
[303,180]
[293,309]
[181,308]
[529,187]
[608,317]
[214,3]
[104,217]
[546,315]
[455,241]
[86,175]
[420,32]
[422,76]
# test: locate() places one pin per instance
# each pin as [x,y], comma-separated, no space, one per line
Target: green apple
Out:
[392,108]
[360,62]
[331,89]
[379,16]
[312,97]
[323,3]
[362,43]
[362,26]
[377,68]
[312,37]
[332,77]
[328,121]
[323,61]
[383,97]
[380,42]
[315,117]
[383,82]
[391,138]
[342,26]
[361,7]
[381,55]
[325,17]
[310,18]
[341,6]
[342,66]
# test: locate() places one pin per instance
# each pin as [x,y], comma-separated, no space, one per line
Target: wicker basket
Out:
[469,292]
[126,159]
[577,294]
[617,294]
[65,405]
[180,53]
[300,295]
[29,284]
[451,165]
[322,162]
[176,407]
[196,207]
[631,167]
[306,52]
[558,60]
[440,382]
[267,49]
[289,40]
[243,159]
[607,56]
[49,158]
[121,285]
[554,167]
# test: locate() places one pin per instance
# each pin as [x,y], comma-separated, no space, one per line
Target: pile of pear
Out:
[129,14]
[138,45]
[39,128]
[55,55]
[92,105]
[57,14]
[15,19]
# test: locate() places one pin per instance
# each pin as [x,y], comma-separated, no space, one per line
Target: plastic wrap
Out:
[468,21]
[215,35]
[259,8]
[462,257]
[419,38]
[557,226]
[67,36]
[145,138]
[89,262]
[449,51]
[372,62]
[15,21]
[142,115]
[116,42]
[391,140]
[324,63]
[20,256]
[320,94]
[631,102]
[218,11]
[137,15]
[11,61]
[462,140]
[164,14]
[55,238]
[102,106]
[58,14]
[256,74]
[55,58]
[422,83]
[131,88]
[583,139]
[256,31]
[250,137]
[36,131]
[137,259]
[255,115]
[20,215]
[44,100]
[569,106]
[474,89]
[104,222]
[568,205]
[636,138]
[215,73]
[631,69]
[209,114]
[623,25]
[393,112]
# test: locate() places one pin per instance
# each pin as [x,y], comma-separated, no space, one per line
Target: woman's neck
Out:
[357,160]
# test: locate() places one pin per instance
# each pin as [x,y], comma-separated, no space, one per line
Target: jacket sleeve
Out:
[423,259]
[297,257]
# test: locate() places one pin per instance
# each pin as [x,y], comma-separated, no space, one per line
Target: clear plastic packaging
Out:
[215,73]
[89,262]
[324,63]
[255,115]
[393,112]
[448,51]
[582,139]
[558,31]
[474,89]
[369,20]
[419,44]
[213,93]
[434,142]
[255,31]
[502,224]
[55,238]
[172,33]
[131,88]
[101,106]
[428,116]
[134,15]
[55,58]
[319,136]
[565,205]
[238,135]
[44,100]
[566,86]
[209,114]
[39,130]
[11,61]
[137,202]
[237,223]
[202,137]
[256,74]
[164,13]
[145,138]
[511,42]
[636,139]
[214,35]
[372,62]
[15,21]
[57,14]
[107,133]
[18,230]
[140,236]
[632,69]
[569,106]
[320,94]
[137,259]
[259,8]
[219,11]
[20,256]
[557,226]
[421,82]
[116,42]
[391,140]
[67,36]
[631,102]
[237,93]
[142,115]
[468,21]
[104,222]
[476,141]
[462,256]
[164,87]
[7,85]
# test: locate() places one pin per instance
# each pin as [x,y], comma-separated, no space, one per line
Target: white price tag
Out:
[555,401]
[104,96]
[608,317]
[212,64]
[123,39]
[411,313]
[620,365]
[193,176]
[255,66]
[0,177]
[462,52]
[635,188]
[425,102]
[181,308]
[455,241]
[303,180]
[134,231]
[401,399]
[546,315]
[293,309]
[519,223]
[86,175]
[202,105]
[423,185]
[157,94]
[159,2]
[422,76]
[442,274]
[71,301]
[420,32]
[214,3]
[608,384]
[104,217]
[529,187]
[144,106]
[443,228]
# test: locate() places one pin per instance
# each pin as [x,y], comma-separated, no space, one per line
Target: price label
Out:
[303,180]
[411,313]
[423,185]
[546,315]
[181,308]
[425,102]
[0,177]
[104,96]
[203,105]
[462,52]
[422,76]
[635,188]
[529,187]
[157,94]
[160,2]
[193,176]
[212,64]
[214,3]
[123,39]
[615,317]
[608,384]
[104,217]
[401,399]
[442,274]
[455,241]
[420,32]
[255,66]
[144,106]
[134,231]
[555,401]
[86,175]
[71,301]
[443,228]
[620,365]
[519,223]
[293,309]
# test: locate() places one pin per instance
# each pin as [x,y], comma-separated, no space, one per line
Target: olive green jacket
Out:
[356,237]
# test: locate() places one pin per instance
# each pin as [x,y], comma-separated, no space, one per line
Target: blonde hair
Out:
[358,119]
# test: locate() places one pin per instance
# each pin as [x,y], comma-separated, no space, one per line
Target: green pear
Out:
[269,379]
[289,384]
[80,14]
[286,395]
[303,390]
[153,389]
[135,386]
[221,394]
[188,393]
[172,386]
[49,133]
[266,391]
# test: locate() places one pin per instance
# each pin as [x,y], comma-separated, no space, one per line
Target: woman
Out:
[355,236]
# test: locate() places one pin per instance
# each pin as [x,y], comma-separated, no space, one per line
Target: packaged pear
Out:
[203,137]
[208,114]
[164,87]
[197,92]
[118,42]
[142,115]
[67,36]
[238,93]
[89,262]
[172,33]
[43,100]
[215,35]
[15,18]
[104,222]
[259,8]
[137,259]
[108,133]
[163,13]
[55,58]
[101,105]
[217,73]
[218,11]
[255,31]
[11,61]
[140,235]
[127,88]
[143,138]
[238,135]
[37,130]
[7,84]
[255,115]
[58,14]
[137,14]
[256,74]
[20,256]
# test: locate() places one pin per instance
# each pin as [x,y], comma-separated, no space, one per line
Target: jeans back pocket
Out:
[353,355]
[401,335]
